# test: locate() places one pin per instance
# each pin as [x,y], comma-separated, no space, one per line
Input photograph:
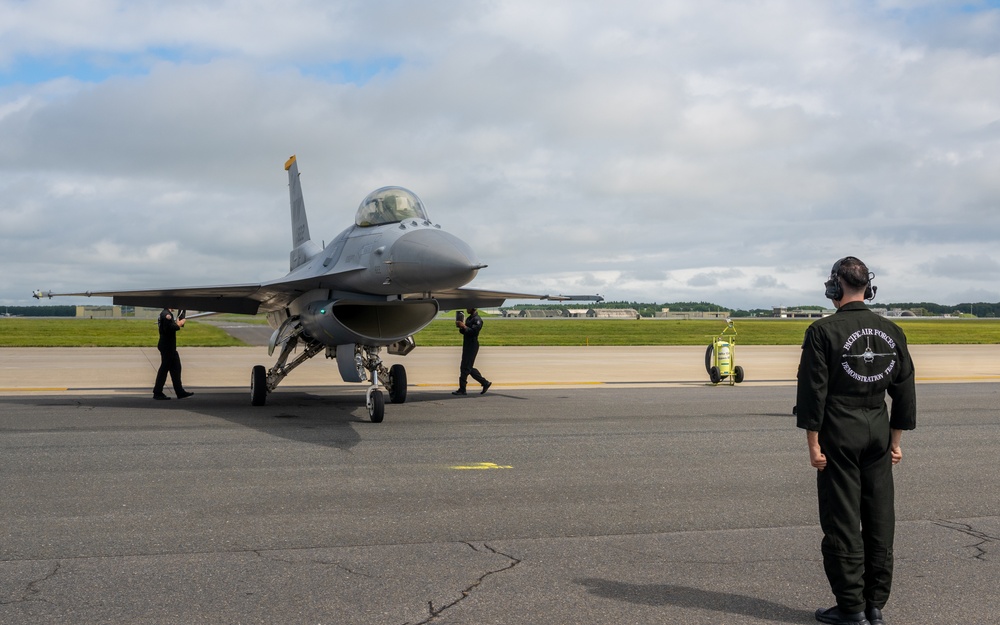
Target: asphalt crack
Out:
[435,612]
[32,591]
[980,552]
[269,556]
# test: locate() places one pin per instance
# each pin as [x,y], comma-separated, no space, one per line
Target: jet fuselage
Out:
[363,273]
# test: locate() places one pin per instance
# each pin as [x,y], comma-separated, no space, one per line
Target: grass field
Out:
[568,332]
[70,332]
[28,332]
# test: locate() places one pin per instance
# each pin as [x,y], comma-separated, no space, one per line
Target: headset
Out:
[835,290]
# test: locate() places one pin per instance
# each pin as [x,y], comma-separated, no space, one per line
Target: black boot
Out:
[836,616]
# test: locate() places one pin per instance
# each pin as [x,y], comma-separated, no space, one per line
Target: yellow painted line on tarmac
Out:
[480,466]
[560,383]
[496,385]
[956,378]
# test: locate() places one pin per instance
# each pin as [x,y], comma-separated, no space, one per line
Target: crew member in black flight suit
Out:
[170,360]
[470,329]
[850,360]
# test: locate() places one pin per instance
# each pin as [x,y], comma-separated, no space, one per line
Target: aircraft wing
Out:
[250,299]
[246,299]
[455,299]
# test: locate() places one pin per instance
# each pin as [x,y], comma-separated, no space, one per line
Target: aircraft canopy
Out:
[389,205]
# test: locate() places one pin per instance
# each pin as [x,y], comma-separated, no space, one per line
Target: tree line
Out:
[39,311]
[645,309]
[921,309]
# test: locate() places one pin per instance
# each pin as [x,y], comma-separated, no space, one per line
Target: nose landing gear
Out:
[357,363]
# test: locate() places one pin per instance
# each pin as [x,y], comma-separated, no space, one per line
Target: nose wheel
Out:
[376,405]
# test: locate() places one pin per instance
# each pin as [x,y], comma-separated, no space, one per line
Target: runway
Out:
[128,370]
[636,498]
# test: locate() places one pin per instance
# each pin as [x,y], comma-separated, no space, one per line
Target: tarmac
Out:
[589,485]
[58,369]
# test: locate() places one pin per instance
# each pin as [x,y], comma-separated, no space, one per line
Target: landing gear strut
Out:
[264,381]
[357,363]
[367,359]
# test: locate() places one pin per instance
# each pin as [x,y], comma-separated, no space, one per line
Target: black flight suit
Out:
[849,361]
[470,348]
[170,360]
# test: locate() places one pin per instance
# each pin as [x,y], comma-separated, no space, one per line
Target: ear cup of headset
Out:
[834,290]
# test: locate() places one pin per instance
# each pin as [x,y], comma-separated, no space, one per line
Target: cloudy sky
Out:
[651,150]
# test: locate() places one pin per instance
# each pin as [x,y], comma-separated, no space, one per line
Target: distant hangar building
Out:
[539,313]
[117,312]
[575,313]
[613,313]
[666,313]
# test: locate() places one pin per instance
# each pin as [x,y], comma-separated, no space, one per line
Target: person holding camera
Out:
[170,360]
[470,326]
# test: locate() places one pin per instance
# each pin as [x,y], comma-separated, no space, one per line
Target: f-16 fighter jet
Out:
[373,286]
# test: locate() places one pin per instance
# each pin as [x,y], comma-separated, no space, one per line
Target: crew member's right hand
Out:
[817,459]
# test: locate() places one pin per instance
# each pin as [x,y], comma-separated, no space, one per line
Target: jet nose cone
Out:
[431,259]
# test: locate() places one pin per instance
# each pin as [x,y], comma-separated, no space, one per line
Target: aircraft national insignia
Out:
[866,360]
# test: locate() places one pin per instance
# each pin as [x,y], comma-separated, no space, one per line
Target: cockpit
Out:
[389,205]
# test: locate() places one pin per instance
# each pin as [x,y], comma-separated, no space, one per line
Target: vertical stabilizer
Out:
[303,247]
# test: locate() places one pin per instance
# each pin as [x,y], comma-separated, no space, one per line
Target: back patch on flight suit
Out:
[865,366]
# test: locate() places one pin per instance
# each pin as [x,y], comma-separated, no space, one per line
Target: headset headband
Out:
[834,288]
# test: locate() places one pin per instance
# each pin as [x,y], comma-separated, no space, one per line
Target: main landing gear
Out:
[357,363]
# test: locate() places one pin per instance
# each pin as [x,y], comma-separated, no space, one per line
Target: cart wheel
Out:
[738,374]
[708,358]
[714,375]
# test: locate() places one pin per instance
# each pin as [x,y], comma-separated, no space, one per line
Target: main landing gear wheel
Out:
[258,386]
[376,406]
[397,384]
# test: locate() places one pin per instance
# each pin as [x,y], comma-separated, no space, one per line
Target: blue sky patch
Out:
[91,67]
[356,72]
[97,67]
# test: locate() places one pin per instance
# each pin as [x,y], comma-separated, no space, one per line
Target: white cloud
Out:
[657,151]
